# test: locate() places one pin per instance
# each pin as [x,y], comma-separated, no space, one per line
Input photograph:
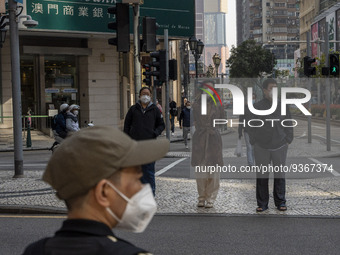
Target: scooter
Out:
[56,144]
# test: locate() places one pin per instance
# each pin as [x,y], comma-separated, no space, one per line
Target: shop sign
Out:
[52,90]
[177,16]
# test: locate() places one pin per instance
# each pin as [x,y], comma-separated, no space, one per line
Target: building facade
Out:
[67,59]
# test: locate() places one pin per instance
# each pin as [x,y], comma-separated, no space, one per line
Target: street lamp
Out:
[196,48]
[217,61]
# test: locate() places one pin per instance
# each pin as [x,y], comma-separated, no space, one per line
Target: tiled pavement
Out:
[305,197]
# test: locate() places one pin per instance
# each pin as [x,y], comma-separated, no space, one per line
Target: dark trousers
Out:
[149,176]
[172,123]
[264,157]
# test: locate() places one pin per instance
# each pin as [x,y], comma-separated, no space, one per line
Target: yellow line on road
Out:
[33,216]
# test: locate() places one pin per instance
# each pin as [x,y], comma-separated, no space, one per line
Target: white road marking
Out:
[318,127]
[163,170]
[303,135]
[335,173]
[336,141]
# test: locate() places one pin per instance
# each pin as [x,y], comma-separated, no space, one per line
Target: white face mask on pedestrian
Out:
[139,210]
[145,99]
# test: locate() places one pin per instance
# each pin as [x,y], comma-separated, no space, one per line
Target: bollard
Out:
[28,140]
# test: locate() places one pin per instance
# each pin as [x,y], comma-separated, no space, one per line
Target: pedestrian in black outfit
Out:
[270,147]
[142,122]
[173,114]
[184,122]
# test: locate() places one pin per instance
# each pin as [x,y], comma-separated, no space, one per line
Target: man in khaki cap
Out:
[97,173]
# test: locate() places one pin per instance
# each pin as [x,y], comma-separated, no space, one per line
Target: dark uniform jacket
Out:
[185,117]
[83,237]
[143,124]
[269,137]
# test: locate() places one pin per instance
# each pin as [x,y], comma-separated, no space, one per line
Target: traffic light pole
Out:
[16,90]
[328,94]
[137,69]
[310,89]
[167,89]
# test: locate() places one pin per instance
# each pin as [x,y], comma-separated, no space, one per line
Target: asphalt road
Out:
[199,235]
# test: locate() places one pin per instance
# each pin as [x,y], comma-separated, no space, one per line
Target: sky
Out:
[231,23]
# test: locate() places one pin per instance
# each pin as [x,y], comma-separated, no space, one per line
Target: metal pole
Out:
[138,81]
[196,61]
[309,118]
[16,90]
[328,94]
[167,89]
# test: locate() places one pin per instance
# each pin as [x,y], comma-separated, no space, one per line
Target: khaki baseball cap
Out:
[95,153]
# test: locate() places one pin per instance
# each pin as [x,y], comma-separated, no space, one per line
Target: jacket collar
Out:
[82,226]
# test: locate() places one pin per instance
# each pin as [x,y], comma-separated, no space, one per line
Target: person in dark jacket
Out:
[142,122]
[60,131]
[96,172]
[184,122]
[270,147]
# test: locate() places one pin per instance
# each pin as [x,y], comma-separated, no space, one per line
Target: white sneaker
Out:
[201,204]
[186,146]
[172,134]
[209,205]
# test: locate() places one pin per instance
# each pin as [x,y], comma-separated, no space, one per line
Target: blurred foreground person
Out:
[97,173]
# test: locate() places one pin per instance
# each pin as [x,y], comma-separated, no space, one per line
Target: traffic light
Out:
[307,66]
[122,27]
[147,73]
[149,34]
[334,64]
[159,62]
[173,69]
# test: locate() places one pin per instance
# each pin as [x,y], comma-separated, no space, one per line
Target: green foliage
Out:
[250,60]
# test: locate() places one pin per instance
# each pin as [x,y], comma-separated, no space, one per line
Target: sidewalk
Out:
[308,197]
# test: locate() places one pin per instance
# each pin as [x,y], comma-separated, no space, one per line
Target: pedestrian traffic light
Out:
[334,64]
[159,64]
[307,68]
[149,34]
[122,27]
[147,73]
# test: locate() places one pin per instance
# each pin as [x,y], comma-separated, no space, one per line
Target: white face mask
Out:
[145,99]
[76,112]
[139,210]
[189,107]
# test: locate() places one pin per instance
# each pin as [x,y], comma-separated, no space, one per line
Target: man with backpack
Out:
[59,124]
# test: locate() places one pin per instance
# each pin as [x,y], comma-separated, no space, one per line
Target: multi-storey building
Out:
[211,30]
[270,21]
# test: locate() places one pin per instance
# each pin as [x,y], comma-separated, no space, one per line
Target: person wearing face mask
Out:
[72,123]
[102,192]
[271,142]
[144,121]
[185,119]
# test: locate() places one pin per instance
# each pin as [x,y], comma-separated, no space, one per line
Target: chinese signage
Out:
[91,15]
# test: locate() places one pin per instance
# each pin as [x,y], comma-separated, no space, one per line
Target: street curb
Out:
[48,210]
[16,209]
[26,149]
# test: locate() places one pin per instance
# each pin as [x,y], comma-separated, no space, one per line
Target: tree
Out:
[250,60]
